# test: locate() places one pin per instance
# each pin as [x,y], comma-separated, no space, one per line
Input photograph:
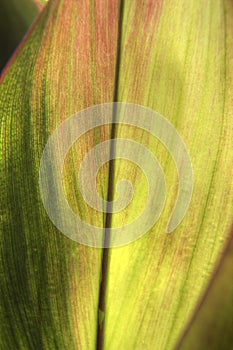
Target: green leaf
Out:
[15,19]
[50,284]
[211,326]
[174,57]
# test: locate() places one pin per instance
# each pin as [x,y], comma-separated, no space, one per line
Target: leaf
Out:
[211,326]
[50,284]
[175,58]
[172,56]
[15,19]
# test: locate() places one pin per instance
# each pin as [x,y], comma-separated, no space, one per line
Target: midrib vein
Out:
[108,220]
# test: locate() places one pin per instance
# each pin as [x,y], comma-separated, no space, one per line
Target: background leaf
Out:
[211,327]
[15,19]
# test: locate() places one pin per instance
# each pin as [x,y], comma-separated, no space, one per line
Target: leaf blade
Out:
[57,279]
[149,302]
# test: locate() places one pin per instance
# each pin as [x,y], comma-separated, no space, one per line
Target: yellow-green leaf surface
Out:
[174,57]
[211,327]
[15,19]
